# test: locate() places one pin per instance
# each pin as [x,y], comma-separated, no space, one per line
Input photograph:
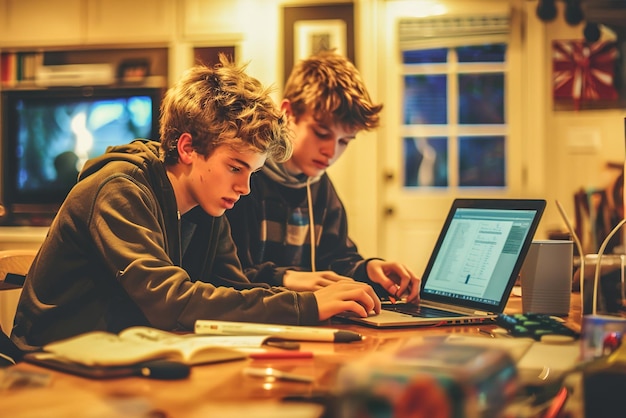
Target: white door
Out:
[413,213]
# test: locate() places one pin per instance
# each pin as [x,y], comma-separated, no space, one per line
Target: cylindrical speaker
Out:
[546,277]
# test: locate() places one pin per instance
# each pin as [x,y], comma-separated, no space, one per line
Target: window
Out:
[454,124]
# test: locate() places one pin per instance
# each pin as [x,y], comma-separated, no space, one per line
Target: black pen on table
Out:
[162,369]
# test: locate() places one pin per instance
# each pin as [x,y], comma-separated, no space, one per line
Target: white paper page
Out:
[190,343]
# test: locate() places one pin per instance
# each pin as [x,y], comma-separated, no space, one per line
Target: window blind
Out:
[451,31]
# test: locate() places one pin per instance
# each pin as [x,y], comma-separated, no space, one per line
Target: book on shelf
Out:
[19,67]
[140,344]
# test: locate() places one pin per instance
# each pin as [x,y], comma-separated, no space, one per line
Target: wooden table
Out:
[214,389]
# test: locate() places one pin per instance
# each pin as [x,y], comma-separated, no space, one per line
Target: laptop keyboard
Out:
[419,311]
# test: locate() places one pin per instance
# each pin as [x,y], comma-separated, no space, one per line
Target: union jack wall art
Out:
[583,74]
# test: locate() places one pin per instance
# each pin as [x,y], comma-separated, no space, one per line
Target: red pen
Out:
[557,404]
[275,355]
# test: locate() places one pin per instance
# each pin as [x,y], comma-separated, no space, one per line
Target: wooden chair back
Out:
[17,262]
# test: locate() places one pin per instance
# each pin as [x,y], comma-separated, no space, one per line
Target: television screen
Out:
[49,134]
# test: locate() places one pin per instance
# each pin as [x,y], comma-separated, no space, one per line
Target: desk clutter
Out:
[537,326]
[457,379]
[150,352]
[458,376]
[451,372]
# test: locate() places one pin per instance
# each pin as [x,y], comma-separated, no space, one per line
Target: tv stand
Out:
[28,219]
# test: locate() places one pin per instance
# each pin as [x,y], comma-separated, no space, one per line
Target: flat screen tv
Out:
[47,136]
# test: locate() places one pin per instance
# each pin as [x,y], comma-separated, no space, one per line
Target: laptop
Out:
[473,267]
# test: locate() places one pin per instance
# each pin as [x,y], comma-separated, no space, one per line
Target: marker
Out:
[162,369]
[276,374]
[205,326]
[278,355]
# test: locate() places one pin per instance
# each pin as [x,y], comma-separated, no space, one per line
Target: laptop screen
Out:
[478,256]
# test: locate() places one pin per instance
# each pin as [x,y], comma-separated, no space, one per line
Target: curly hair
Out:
[330,86]
[222,105]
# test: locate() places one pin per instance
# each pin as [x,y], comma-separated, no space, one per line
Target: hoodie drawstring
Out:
[311,222]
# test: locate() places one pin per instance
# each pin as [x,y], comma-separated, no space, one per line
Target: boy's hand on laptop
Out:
[310,281]
[396,278]
[346,296]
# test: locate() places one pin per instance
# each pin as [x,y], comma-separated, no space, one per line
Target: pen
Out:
[162,369]
[556,406]
[205,326]
[495,333]
[486,332]
[277,355]
[276,374]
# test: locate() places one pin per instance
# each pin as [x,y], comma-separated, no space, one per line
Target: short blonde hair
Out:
[330,86]
[222,105]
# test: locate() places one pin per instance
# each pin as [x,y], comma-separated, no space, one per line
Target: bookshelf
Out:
[51,67]
[19,67]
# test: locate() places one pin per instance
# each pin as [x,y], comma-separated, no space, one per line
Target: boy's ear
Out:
[285,106]
[185,149]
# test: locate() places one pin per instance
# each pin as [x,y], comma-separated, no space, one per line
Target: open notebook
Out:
[473,266]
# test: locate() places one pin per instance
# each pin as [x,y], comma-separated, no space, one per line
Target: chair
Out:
[16,262]
[598,211]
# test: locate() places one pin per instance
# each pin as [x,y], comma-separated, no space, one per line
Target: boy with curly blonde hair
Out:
[141,240]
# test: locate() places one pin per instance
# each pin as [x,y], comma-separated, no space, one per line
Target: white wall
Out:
[569,167]
[556,170]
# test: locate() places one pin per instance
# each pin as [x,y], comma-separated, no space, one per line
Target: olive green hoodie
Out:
[112,259]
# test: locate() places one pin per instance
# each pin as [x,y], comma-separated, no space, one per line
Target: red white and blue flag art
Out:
[584,72]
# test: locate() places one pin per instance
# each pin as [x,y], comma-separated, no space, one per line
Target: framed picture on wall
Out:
[309,29]
[584,74]
[313,36]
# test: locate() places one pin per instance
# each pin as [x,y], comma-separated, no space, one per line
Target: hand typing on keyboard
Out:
[396,279]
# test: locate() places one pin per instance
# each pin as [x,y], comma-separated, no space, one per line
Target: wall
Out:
[572,162]
[555,163]
[555,171]
[257,31]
